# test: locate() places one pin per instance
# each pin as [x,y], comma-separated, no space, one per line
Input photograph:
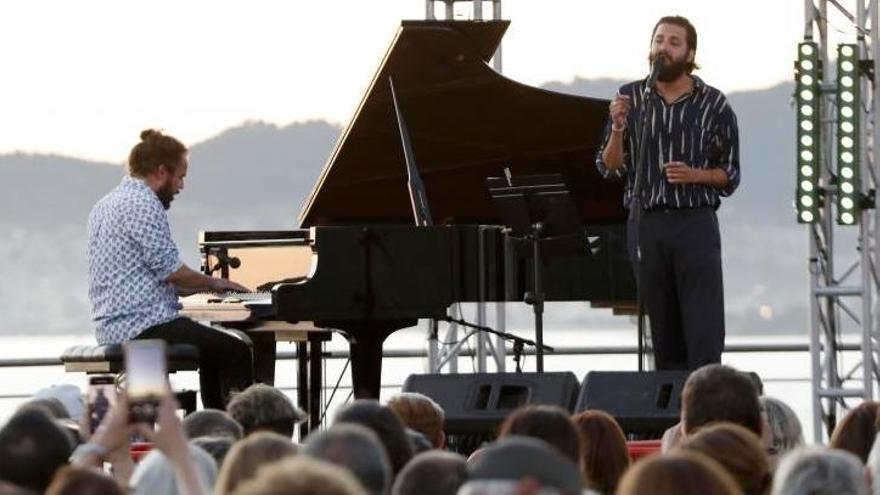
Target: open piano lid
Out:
[467,122]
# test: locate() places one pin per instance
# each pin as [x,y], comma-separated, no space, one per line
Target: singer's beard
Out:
[672,69]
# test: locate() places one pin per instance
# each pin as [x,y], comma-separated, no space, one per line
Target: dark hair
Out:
[32,448]
[604,450]
[385,423]
[261,407]
[154,149]
[677,473]
[217,447]
[549,423]
[738,451]
[83,481]
[432,473]
[717,392]
[691,36]
[856,432]
[212,423]
[355,448]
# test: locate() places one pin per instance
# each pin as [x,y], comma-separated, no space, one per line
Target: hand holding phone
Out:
[146,378]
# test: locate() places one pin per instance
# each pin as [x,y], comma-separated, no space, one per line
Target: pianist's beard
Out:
[166,194]
[672,69]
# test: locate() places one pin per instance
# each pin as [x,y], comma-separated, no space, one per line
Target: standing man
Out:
[691,161]
[135,271]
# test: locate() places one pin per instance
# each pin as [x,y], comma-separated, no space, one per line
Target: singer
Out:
[691,160]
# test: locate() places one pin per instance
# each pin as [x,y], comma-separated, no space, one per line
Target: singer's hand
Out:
[682,173]
[619,109]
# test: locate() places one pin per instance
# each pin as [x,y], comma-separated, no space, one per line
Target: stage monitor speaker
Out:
[477,403]
[644,403]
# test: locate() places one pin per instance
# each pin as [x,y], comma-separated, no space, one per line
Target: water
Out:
[785,375]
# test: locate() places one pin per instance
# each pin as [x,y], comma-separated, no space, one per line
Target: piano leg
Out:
[366,366]
[264,356]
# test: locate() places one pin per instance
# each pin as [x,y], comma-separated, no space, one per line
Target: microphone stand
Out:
[519,343]
[636,207]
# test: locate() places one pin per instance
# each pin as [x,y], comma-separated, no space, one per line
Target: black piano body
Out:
[359,265]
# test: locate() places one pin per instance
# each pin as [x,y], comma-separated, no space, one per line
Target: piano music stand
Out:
[535,208]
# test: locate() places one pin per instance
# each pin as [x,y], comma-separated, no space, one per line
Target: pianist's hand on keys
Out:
[224,285]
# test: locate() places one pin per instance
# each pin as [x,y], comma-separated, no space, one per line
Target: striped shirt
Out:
[699,129]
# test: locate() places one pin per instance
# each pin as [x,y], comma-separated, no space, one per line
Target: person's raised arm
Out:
[612,154]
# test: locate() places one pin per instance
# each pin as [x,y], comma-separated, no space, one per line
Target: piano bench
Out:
[109,359]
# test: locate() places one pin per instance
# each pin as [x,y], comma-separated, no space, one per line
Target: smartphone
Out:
[146,376]
[101,397]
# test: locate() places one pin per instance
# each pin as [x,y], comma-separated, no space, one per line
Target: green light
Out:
[846,127]
[847,203]
[847,187]
[807,216]
[846,157]
[807,186]
[807,201]
[846,142]
[806,65]
[846,172]
[806,156]
[807,49]
[846,81]
[807,171]
[847,66]
[846,96]
[846,112]
[807,95]
[847,218]
[847,50]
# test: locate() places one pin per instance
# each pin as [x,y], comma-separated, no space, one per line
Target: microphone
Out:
[656,67]
[230,261]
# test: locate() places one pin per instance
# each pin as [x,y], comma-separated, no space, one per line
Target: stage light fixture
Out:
[807,92]
[848,125]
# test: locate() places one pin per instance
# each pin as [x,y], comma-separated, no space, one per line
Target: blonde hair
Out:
[302,476]
[247,456]
[420,413]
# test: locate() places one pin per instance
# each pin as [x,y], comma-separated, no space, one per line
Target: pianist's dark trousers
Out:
[225,360]
[681,285]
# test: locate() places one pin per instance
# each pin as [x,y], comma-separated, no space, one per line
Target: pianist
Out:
[691,161]
[135,272]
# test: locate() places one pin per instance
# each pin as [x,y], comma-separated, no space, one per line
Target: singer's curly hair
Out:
[689,28]
[154,149]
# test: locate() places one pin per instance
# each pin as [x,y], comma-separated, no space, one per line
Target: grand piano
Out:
[361,266]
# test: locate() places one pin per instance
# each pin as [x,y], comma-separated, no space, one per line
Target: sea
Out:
[786,375]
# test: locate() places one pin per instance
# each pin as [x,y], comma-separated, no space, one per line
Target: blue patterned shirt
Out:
[130,253]
[698,129]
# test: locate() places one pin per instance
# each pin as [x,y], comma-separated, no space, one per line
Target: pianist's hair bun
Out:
[150,134]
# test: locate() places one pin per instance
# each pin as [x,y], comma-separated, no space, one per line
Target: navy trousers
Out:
[681,283]
[226,363]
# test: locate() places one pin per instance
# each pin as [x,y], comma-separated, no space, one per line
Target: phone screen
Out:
[145,376]
[101,398]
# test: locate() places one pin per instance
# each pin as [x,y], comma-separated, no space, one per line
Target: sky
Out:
[83,78]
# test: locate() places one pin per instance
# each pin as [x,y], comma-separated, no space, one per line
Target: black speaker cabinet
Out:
[645,403]
[476,403]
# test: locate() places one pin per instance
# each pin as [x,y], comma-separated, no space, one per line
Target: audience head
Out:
[431,473]
[677,473]
[248,455]
[83,481]
[355,448]
[32,448]
[784,432]
[212,423]
[51,406]
[261,407]
[69,395]
[514,463]
[216,447]
[385,424]
[302,476]
[857,430]
[716,393]
[155,473]
[10,489]
[820,471]
[603,450]
[549,423]
[422,414]
[738,451]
